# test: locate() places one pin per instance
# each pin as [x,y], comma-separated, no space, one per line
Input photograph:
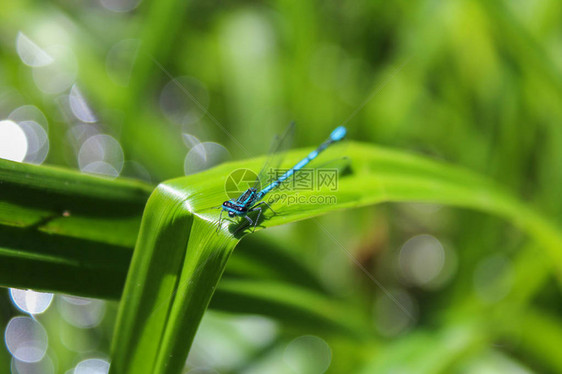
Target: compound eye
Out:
[231,214]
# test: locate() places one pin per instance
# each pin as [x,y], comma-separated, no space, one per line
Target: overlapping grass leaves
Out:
[180,256]
[89,224]
[65,231]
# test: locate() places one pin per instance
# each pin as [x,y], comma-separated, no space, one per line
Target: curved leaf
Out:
[180,256]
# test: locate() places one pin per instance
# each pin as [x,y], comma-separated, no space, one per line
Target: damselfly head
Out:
[231,214]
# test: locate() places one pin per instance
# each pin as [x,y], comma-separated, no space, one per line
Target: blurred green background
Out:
[158,89]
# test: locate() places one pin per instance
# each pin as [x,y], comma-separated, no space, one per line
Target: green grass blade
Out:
[63,202]
[47,213]
[60,256]
[56,263]
[294,306]
[180,256]
[173,274]
[67,231]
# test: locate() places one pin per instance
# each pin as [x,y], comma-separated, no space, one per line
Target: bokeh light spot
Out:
[35,126]
[44,366]
[422,259]
[203,156]
[190,140]
[101,148]
[81,312]
[257,330]
[308,354]
[30,53]
[100,168]
[79,106]
[37,142]
[29,113]
[92,366]
[26,339]
[13,142]
[30,301]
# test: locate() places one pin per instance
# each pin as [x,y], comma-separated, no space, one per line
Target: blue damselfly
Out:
[252,199]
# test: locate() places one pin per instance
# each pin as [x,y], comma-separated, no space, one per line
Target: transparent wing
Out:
[275,156]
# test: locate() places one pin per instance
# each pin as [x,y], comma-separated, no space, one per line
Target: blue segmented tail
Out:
[336,135]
